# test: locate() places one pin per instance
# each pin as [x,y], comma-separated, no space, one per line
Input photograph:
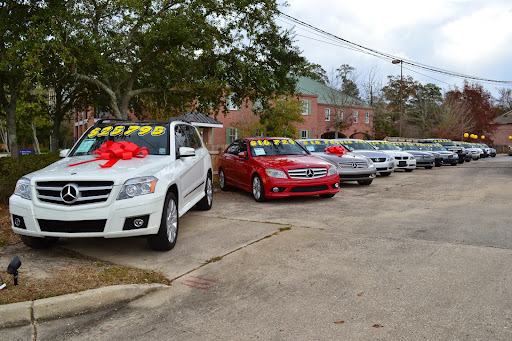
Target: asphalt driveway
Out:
[421,255]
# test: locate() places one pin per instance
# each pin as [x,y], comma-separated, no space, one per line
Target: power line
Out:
[340,42]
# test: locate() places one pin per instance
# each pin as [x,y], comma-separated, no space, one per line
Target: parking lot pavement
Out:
[421,255]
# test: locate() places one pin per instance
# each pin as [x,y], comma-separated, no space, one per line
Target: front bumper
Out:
[385,167]
[282,188]
[110,219]
[357,174]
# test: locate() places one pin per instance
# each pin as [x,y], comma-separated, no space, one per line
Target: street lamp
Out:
[399,61]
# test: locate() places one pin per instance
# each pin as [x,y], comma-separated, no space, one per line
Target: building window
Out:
[367,117]
[230,104]
[327,114]
[340,115]
[305,134]
[231,135]
[306,107]
[355,116]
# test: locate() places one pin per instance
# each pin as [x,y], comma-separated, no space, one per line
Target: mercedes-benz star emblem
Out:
[69,193]
[310,173]
[354,165]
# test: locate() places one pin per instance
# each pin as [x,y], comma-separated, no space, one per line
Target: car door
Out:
[192,177]
[229,162]
[242,169]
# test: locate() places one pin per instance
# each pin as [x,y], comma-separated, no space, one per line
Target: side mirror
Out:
[64,153]
[242,155]
[377,147]
[187,152]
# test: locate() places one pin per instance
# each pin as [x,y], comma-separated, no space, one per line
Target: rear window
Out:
[153,136]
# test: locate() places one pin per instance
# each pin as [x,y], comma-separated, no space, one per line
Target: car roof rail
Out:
[102,120]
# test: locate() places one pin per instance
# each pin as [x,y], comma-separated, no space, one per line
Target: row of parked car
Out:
[280,167]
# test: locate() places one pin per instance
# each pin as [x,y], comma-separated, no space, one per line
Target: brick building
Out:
[320,104]
[503,131]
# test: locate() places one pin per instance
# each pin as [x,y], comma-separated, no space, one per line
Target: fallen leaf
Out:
[377,325]
[313,283]
[361,293]
[339,322]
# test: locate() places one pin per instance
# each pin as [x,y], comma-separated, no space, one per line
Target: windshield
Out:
[272,147]
[384,145]
[357,145]
[407,146]
[155,137]
[318,146]
[441,148]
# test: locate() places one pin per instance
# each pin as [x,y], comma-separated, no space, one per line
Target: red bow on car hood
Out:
[338,150]
[115,151]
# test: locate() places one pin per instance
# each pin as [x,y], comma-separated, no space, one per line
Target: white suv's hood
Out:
[118,173]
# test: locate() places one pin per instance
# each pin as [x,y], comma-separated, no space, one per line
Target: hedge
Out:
[12,169]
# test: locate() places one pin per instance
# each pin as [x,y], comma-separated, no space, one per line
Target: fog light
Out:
[138,223]
[17,222]
[275,189]
[336,185]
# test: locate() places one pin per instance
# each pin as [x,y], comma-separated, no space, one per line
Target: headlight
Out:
[370,163]
[137,186]
[389,159]
[332,170]
[23,188]
[275,173]
[411,157]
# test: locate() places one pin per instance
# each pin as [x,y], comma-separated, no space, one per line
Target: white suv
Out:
[120,179]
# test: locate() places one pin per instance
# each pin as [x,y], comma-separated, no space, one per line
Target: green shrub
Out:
[13,169]
[44,150]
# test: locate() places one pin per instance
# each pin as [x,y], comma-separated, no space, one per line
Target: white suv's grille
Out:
[307,173]
[73,193]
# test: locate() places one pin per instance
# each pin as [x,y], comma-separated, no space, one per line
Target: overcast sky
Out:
[472,37]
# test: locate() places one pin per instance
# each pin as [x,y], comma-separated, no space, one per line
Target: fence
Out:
[215,150]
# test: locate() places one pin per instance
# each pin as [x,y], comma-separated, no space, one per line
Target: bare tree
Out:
[337,101]
[453,119]
[505,99]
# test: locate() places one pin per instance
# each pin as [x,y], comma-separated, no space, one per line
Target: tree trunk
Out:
[55,136]
[36,141]
[11,128]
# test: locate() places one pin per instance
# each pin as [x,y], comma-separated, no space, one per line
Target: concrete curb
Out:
[23,313]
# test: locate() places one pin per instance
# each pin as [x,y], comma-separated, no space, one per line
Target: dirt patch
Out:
[58,271]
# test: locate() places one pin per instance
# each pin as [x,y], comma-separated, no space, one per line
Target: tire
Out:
[206,203]
[326,196]
[222,180]
[386,174]
[167,235]
[258,191]
[38,242]
[408,170]
[364,182]
[428,167]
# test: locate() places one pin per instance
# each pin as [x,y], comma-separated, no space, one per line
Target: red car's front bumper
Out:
[280,188]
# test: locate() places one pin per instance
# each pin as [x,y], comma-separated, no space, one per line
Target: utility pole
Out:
[399,61]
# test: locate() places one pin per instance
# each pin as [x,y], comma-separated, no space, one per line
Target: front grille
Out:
[378,159]
[88,192]
[309,189]
[307,173]
[399,158]
[72,226]
[352,165]
[356,176]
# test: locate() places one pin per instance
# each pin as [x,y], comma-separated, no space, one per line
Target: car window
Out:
[180,137]
[153,136]
[193,138]
[272,147]
[234,148]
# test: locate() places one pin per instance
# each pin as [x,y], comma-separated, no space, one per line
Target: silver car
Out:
[350,166]
[383,162]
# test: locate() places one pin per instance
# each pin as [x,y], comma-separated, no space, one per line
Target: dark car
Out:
[449,158]
[449,145]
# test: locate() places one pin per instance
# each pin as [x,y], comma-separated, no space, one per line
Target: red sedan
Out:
[275,167]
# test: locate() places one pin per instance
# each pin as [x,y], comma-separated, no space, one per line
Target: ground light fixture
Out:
[12,269]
